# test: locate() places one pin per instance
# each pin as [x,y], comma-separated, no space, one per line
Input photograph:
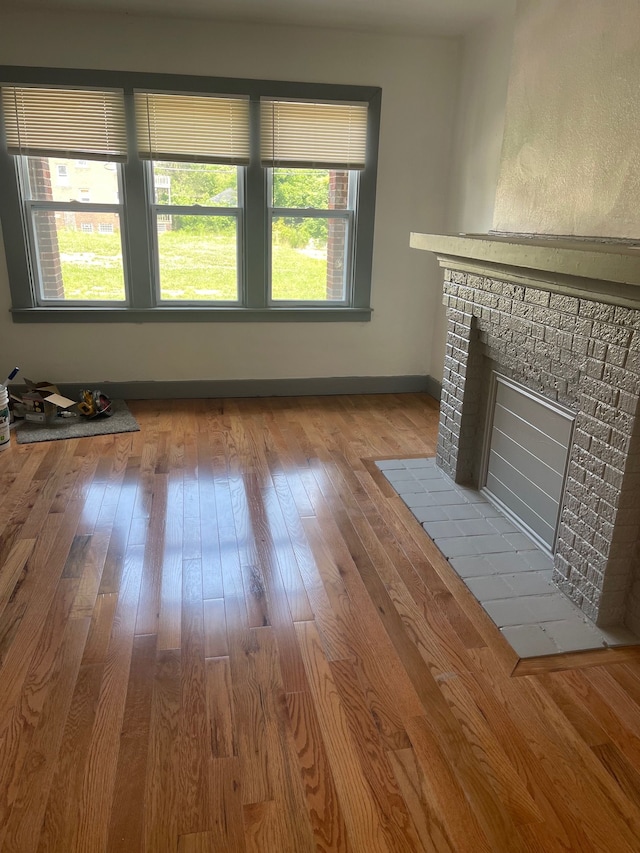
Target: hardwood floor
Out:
[227,633]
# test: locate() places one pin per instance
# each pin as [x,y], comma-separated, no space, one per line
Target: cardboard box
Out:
[42,400]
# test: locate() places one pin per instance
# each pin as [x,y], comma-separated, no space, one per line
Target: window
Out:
[199,255]
[196,197]
[194,166]
[311,230]
[312,210]
[68,266]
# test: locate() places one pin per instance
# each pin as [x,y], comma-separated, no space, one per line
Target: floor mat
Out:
[120,421]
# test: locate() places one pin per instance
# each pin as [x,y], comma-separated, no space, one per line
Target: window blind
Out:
[313,134]
[192,128]
[79,123]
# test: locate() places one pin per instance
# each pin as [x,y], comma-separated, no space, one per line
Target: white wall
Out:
[571,157]
[419,81]
[480,125]
[478,141]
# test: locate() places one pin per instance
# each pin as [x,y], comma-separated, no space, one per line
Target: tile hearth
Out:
[502,567]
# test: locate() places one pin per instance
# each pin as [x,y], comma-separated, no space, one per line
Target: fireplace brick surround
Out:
[582,351]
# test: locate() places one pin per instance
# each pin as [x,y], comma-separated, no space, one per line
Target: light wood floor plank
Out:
[428,821]
[361,811]
[161,814]
[325,814]
[220,709]
[396,824]
[228,832]
[194,746]
[60,823]
[102,760]
[126,822]
[22,831]
[215,628]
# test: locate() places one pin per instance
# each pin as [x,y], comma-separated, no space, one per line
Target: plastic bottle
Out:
[5,436]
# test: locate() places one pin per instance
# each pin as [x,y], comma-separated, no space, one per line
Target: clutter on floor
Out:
[120,420]
[42,413]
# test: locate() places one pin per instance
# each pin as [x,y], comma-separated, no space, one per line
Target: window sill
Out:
[190,315]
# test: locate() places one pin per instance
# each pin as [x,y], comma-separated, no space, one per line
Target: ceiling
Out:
[403,17]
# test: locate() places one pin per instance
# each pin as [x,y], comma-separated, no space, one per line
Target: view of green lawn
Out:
[200,267]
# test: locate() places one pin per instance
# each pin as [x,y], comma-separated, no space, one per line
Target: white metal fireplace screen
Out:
[526,453]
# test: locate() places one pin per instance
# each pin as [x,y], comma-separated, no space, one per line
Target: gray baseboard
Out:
[434,388]
[222,388]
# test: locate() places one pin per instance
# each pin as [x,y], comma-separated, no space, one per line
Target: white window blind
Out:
[321,135]
[194,128]
[52,122]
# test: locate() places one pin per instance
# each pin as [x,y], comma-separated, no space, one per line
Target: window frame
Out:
[136,223]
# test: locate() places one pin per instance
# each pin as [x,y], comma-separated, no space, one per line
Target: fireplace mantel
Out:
[607,271]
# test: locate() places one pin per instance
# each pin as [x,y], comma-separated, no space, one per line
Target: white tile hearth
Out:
[502,567]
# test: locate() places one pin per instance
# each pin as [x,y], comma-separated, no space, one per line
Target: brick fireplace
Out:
[561,318]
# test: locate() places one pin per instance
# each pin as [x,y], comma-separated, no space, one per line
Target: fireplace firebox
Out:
[526,455]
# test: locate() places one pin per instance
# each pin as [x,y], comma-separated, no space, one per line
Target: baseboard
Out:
[222,388]
[434,388]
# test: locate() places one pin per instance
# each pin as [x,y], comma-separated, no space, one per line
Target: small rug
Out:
[120,421]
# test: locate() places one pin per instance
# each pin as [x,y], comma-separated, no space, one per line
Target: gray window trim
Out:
[172,313]
[137,218]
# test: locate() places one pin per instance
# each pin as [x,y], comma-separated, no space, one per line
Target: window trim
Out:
[136,224]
